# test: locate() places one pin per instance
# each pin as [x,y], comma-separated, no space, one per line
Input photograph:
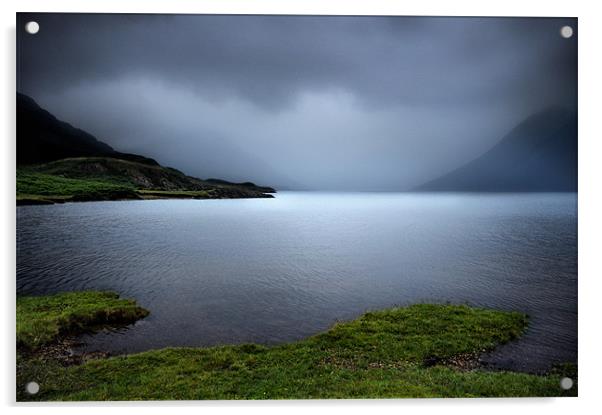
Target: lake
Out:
[276,270]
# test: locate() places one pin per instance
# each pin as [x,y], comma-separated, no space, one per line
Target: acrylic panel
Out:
[295,207]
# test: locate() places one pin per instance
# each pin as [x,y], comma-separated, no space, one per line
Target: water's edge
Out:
[271,271]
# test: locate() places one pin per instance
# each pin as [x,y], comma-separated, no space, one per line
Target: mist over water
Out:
[276,270]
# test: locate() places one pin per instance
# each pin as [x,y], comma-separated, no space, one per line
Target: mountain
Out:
[540,154]
[58,162]
[41,137]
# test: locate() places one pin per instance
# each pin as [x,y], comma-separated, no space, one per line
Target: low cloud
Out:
[300,102]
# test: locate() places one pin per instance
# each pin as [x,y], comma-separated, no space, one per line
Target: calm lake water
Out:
[275,270]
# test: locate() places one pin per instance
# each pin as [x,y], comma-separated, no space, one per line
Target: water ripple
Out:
[269,271]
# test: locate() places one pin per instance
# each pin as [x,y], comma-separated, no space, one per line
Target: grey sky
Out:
[364,103]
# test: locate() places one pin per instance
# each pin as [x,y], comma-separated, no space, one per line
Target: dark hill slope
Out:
[58,162]
[246,185]
[138,175]
[41,138]
[540,154]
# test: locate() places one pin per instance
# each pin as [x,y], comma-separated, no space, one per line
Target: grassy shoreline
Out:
[101,179]
[42,320]
[401,352]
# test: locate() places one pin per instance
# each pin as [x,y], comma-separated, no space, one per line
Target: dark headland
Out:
[57,162]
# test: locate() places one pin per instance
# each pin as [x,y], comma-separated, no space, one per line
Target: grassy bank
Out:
[41,320]
[418,351]
[103,178]
[40,188]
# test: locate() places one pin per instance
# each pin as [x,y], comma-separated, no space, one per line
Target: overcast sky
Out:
[353,103]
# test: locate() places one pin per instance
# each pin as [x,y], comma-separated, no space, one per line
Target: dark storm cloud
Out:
[319,102]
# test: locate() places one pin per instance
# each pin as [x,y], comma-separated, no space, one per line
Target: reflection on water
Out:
[275,270]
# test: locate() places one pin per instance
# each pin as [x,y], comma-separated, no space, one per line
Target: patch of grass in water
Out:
[379,355]
[41,320]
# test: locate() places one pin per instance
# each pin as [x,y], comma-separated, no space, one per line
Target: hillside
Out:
[540,154]
[137,175]
[58,162]
[41,138]
[103,178]
[246,185]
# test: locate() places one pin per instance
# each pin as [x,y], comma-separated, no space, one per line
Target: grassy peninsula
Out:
[57,162]
[423,350]
[41,320]
[105,178]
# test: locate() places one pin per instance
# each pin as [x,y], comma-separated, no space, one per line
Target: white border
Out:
[590,183]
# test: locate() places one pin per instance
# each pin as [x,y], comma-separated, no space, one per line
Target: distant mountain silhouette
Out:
[540,154]
[58,163]
[42,138]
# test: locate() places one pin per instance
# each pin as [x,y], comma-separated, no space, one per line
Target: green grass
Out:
[41,188]
[41,320]
[105,178]
[111,170]
[382,354]
[34,186]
